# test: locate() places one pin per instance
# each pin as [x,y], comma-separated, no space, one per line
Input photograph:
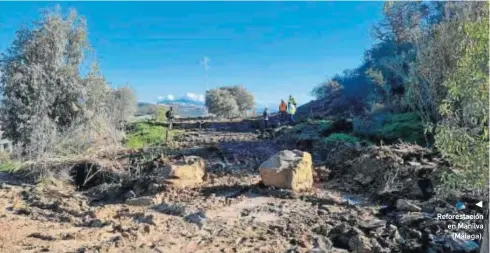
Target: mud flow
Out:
[376,199]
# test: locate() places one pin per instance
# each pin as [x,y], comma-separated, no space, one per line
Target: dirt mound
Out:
[404,170]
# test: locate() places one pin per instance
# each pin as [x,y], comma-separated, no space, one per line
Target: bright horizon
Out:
[163,49]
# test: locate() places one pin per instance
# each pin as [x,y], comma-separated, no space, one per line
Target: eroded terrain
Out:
[231,211]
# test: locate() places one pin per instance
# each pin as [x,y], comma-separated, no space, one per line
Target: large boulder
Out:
[288,170]
[186,173]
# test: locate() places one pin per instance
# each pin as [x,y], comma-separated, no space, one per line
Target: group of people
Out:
[286,112]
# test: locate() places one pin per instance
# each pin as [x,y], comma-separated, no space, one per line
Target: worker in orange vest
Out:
[283,110]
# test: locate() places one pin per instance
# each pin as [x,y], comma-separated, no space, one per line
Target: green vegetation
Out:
[407,127]
[337,138]
[6,163]
[311,129]
[160,114]
[146,134]
[462,134]
[426,75]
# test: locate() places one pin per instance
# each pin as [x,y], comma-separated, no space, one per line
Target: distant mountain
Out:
[180,109]
[190,105]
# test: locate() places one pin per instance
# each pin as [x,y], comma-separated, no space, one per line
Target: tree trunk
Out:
[484,242]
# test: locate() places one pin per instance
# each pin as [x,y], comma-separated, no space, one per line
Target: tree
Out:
[328,89]
[40,79]
[244,100]
[47,106]
[221,102]
[229,101]
[462,134]
[123,105]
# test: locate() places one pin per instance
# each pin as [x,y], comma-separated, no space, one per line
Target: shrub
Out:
[407,127]
[390,128]
[340,138]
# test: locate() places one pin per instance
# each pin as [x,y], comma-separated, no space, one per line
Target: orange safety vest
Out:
[283,107]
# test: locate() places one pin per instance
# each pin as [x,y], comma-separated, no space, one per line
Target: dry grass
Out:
[94,141]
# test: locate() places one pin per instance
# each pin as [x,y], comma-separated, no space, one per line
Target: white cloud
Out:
[170,97]
[160,98]
[195,97]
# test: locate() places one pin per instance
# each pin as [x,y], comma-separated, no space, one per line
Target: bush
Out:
[407,127]
[340,138]
[390,128]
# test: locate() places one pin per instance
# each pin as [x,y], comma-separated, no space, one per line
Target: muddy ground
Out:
[231,211]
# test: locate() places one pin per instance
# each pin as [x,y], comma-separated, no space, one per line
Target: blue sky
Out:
[273,48]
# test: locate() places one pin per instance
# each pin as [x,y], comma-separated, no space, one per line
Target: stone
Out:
[331,209]
[337,250]
[323,243]
[360,244]
[404,205]
[372,223]
[141,201]
[198,218]
[288,170]
[186,173]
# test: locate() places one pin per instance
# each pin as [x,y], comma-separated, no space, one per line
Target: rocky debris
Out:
[321,245]
[198,218]
[42,237]
[406,170]
[186,173]
[321,174]
[405,205]
[371,224]
[288,170]
[360,244]
[141,201]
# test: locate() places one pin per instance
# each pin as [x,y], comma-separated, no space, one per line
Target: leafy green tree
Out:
[462,134]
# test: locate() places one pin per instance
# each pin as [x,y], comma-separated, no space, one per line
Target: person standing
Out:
[291,112]
[292,100]
[170,117]
[266,118]
[283,107]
